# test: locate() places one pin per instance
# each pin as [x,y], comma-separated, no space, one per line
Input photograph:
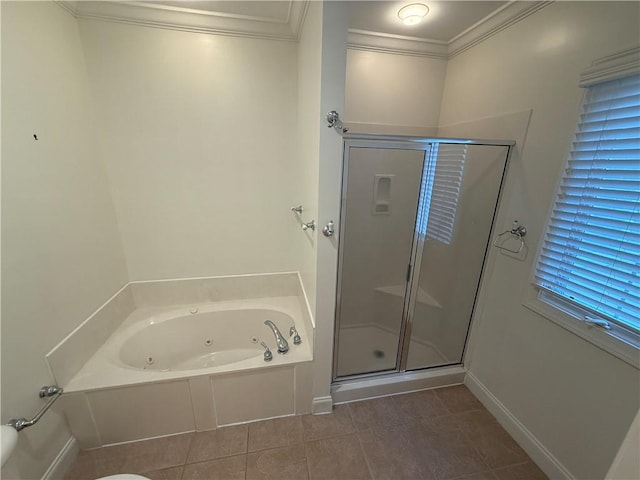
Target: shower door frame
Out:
[404,335]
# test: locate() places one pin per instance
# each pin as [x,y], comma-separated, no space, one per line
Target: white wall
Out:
[393,94]
[61,256]
[577,400]
[332,88]
[626,464]
[198,134]
[308,142]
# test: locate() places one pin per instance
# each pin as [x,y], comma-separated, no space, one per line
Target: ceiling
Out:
[262,10]
[450,26]
[445,20]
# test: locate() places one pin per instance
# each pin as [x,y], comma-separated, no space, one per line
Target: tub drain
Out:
[378,353]
[149,360]
[208,342]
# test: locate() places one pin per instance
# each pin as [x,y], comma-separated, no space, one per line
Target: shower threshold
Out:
[391,383]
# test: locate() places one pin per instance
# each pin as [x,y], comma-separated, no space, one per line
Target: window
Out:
[589,262]
[440,191]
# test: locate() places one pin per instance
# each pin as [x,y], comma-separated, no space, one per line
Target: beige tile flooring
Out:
[432,434]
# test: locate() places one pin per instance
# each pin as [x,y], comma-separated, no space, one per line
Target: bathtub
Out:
[172,369]
[196,338]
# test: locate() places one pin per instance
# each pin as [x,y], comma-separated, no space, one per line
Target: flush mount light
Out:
[413,14]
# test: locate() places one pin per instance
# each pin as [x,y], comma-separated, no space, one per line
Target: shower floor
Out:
[371,348]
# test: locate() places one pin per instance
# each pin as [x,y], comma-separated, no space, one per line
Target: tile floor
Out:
[433,434]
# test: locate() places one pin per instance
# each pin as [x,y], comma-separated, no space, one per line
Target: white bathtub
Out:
[157,344]
[171,369]
[199,337]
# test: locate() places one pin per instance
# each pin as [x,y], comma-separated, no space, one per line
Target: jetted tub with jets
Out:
[173,369]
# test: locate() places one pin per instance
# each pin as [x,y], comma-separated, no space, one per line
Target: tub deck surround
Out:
[168,343]
[187,359]
[139,299]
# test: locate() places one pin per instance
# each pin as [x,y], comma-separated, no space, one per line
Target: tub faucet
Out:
[296,337]
[281,343]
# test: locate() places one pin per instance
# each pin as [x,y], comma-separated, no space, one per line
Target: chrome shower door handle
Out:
[328,230]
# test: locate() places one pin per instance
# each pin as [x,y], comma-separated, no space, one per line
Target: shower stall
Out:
[415,224]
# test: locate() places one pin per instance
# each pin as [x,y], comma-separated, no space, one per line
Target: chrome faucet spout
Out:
[281,343]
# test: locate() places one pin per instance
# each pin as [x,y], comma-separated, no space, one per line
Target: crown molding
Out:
[289,29]
[396,44]
[611,67]
[297,14]
[497,21]
[504,17]
[189,20]
[69,6]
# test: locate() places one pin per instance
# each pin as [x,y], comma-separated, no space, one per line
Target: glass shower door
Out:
[380,199]
[457,208]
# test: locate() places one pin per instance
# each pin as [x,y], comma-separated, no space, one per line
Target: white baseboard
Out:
[322,405]
[547,462]
[63,461]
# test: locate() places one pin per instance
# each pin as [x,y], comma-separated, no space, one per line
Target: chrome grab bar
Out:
[52,391]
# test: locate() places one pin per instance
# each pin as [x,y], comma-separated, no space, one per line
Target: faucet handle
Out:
[268,356]
[296,338]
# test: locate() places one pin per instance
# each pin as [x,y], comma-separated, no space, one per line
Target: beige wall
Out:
[197,134]
[308,142]
[61,255]
[332,88]
[577,400]
[399,92]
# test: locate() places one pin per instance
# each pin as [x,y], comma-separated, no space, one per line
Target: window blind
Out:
[591,252]
[440,193]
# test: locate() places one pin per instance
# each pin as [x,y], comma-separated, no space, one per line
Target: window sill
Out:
[601,338]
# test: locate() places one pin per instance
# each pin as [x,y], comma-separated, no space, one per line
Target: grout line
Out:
[246,456]
[364,456]
[186,458]
[307,460]
[211,460]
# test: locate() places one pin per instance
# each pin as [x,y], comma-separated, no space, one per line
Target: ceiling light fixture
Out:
[413,14]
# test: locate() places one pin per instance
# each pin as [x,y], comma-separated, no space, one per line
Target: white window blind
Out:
[590,256]
[440,192]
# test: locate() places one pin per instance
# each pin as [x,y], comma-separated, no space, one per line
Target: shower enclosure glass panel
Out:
[457,208]
[380,199]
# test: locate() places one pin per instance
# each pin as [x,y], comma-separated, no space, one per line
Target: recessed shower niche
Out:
[416,219]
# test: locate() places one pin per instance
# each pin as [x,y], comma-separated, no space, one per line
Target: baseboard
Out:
[322,405]
[63,461]
[547,462]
